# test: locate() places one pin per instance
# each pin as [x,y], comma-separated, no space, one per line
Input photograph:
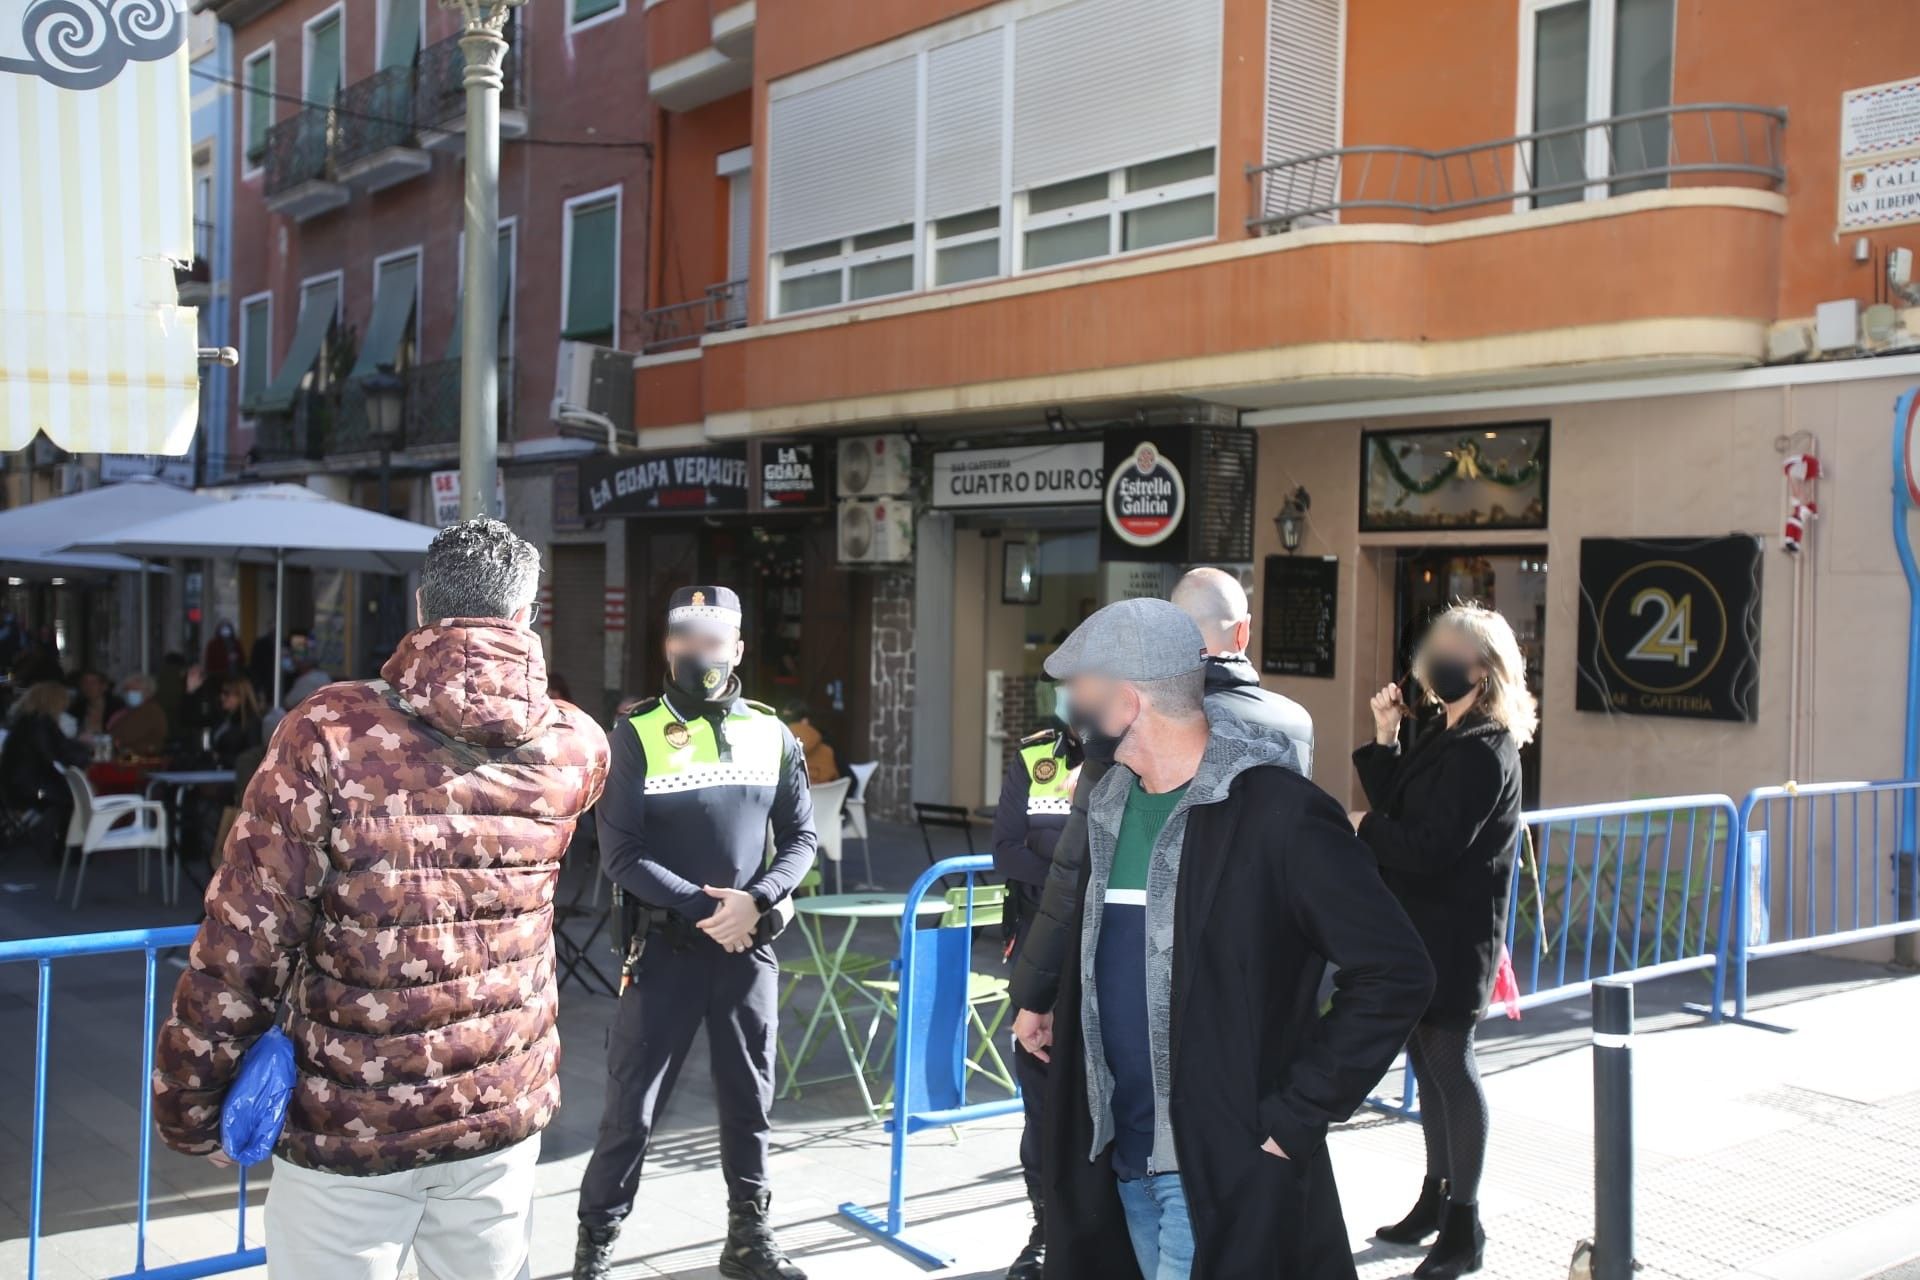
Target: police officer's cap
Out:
[708,608]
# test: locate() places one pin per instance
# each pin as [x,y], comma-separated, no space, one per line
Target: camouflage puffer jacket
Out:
[392,874]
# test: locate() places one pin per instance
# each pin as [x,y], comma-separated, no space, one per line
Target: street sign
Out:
[446,497]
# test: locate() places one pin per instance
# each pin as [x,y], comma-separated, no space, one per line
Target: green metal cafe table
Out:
[839,970]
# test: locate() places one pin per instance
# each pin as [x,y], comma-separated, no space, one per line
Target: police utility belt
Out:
[677,932]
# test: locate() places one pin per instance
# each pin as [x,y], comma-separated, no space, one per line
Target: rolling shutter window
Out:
[393,298]
[403,34]
[259,104]
[966,103]
[318,306]
[590,273]
[1303,98]
[256,341]
[323,61]
[842,157]
[1105,83]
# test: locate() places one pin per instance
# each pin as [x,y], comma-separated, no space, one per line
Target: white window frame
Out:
[339,11]
[419,256]
[380,12]
[1601,30]
[936,242]
[240,341]
[566,247]
[511,225]
[1118,203]
[586,24]
[849,258]
[248,169]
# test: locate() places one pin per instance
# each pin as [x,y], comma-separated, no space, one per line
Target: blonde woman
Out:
[1445,813]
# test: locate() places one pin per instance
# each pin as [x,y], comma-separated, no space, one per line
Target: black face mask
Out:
[702,679]
[1450,679]
[1093,742]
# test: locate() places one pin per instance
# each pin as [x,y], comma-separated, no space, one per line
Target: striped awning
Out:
[94,163]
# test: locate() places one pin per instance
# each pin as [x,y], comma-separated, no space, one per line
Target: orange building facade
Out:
[1618,260]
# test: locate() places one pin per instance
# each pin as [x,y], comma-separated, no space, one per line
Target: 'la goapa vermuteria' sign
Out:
[1670,627]
[695,482]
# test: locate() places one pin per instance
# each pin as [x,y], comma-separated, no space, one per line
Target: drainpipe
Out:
[1906,421]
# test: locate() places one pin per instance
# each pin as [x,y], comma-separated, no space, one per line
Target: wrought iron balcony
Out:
[1720,142]
[681,324]
[374,139]
[334,422]
[440,96]
[299,180]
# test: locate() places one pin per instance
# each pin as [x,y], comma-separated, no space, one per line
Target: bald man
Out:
[1217,603]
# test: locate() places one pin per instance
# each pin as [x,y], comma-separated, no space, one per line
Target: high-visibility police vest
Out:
[1047,774]
[685,755]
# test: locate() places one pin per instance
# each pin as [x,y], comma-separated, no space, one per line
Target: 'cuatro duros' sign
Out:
[1670,626]
[1145,507]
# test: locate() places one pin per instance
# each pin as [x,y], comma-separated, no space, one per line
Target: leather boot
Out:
[1460,1247]
[751,1252]
[1422,1220]
[593,1254]
[1031,1264]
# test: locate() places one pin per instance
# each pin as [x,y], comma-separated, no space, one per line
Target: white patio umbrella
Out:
[34,538]
[282,526]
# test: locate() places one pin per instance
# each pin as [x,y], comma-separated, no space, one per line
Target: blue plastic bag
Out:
[256,1105]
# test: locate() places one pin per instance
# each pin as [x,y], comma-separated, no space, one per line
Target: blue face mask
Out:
[133,698]
[1060,709]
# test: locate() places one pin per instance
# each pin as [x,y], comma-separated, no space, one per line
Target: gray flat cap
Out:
[1134,640]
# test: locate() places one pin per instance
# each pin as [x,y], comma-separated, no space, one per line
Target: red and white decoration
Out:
[1803,475]
[616,609]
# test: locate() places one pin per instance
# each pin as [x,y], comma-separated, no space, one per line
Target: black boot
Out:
[593,1255]
[1031,1264]
[1460,1246]
[751,1252]
[1422,1220]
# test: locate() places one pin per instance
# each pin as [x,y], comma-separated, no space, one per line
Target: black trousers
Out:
[672,995]
[1031,1075]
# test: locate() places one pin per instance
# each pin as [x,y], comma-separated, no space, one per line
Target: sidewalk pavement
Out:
[1788,1152]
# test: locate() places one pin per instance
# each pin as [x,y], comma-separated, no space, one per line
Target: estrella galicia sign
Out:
[1146,497]
[1670,626]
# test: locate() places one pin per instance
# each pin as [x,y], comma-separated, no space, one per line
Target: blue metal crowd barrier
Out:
[1814,854]
[934,969]
[43,952]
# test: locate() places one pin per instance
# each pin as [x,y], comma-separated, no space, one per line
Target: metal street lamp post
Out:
[484,49]
[386,393]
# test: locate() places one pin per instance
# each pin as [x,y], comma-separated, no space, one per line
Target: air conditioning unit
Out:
[875,531]
[594,382]
[874,466]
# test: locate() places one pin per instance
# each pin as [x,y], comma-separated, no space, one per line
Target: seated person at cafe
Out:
[822,764]
[35,751]
[140,728]
[94,704]
[239,727]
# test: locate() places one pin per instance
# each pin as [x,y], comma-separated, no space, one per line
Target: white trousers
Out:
[460,1220]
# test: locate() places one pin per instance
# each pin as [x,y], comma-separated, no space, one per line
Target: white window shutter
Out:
[842,157]
[1103,83]
[1303,100]
[966,103]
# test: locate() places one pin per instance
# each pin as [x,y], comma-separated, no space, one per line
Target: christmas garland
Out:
[1467,463]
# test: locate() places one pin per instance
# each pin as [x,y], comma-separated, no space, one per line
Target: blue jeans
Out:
[1157,1222]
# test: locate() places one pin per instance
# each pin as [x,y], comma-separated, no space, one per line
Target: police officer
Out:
[1035,798]
[697,775]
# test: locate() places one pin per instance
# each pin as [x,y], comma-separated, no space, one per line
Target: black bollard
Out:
[1612,1130]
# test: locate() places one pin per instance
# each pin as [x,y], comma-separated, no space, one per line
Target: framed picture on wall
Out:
[1019,573]
[1487,475]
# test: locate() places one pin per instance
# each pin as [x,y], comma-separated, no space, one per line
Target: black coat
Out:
[31,761]
[1234,684]
[1272,886]
[1444,818]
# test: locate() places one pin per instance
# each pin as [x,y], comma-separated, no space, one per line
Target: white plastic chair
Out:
[856,809]
[105,824]
[829,804]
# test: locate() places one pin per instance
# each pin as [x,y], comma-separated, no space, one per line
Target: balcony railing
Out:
[334,421]
[199,272]
[440,97]
[298,149]
[1636,151]
[374,114]
[682,323]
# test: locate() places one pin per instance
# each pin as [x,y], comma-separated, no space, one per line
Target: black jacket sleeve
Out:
[1377,766]
[794,839]
[1013,857]
[1382,977]
[623,835]
[1430,836]
[1035,983]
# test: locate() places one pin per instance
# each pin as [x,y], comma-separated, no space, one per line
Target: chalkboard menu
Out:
[1299,602]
